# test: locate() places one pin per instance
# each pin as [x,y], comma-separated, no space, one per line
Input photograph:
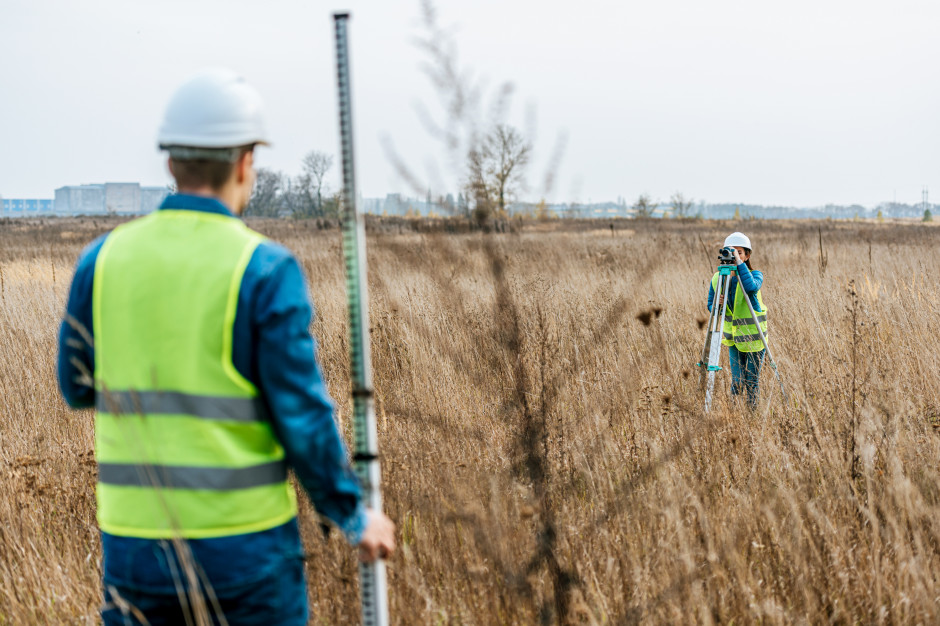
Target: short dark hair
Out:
[191,173]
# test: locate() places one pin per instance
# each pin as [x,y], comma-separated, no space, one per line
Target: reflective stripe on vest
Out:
[181,437]
[175,403]
[179,477]
[761,317]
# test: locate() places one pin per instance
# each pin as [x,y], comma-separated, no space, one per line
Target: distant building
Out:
[122,197]
[18,207]
[393,204]
[80,200]
[108,199]
[151,198]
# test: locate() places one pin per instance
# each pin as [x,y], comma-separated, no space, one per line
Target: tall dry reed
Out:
[543,446]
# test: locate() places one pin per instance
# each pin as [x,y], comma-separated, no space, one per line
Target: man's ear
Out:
[169,165]
[243,166]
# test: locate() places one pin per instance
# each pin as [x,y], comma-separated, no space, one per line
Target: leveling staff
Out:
[745,348]
[207,388]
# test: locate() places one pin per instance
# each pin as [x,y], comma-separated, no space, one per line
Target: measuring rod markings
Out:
[372,575]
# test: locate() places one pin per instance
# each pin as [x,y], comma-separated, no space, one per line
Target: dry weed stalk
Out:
[543,460]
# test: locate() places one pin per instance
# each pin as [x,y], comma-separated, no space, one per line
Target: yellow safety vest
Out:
[738,329]
[183,444]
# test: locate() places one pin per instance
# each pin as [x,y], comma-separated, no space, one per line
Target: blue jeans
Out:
[255,578]
[745,373]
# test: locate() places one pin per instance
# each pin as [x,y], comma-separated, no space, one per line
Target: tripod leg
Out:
[701,359]
[713,319]
[763,338]
[714,354]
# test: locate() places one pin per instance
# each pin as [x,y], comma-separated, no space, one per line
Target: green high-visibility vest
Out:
[738,329]
[183,444]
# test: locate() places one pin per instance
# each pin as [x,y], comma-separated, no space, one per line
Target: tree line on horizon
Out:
[305,196]
[494,179]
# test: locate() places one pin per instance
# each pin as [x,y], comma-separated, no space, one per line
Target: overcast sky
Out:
[805,102]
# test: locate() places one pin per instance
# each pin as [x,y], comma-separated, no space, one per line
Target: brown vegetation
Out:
[542,440]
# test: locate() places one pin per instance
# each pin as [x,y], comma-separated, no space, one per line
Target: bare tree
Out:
[466,117]
[314,168]
[495,170]
[680,206]
[265,197]
[508,152]
[644,206]
[477,186]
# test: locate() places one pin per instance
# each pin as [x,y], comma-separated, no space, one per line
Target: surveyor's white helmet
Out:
[214,109]
[738,239]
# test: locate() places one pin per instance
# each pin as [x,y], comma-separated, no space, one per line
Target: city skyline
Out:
[124,198]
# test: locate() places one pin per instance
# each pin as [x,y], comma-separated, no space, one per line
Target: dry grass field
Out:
[544,450]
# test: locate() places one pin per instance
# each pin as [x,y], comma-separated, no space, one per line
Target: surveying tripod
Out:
[713,333]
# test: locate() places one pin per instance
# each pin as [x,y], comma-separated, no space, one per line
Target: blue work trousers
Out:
[250,579]
[745,373]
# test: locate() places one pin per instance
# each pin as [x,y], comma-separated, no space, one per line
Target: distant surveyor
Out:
[745,348]
[207,389]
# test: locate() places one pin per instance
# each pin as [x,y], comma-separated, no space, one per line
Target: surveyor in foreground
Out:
[207,388]
[745,348]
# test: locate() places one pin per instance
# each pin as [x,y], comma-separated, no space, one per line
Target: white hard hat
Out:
[738,239]
[215,109]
